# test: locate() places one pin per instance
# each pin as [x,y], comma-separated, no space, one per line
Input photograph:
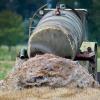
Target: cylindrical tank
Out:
[61,35]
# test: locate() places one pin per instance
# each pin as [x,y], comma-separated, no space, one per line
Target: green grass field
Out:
[7,59]
[98,52]
[5,68]
[6,55]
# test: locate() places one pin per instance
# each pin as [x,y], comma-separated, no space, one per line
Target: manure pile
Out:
[48,70]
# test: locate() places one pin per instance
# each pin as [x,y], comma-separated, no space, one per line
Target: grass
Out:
[5,68]
[7,59]
[98,52]
[46,93]
[98,64]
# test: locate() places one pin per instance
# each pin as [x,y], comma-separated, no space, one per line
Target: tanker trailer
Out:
[63,32]
[60,34]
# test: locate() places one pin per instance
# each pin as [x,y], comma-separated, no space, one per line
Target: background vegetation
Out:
[15,14]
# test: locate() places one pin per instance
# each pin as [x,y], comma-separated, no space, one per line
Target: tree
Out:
[11,29]
[96,18]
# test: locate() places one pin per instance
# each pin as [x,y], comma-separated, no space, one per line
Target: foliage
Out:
[11,29]
[23,7]
[96,18]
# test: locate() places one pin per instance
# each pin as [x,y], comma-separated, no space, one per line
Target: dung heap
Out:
[48,70]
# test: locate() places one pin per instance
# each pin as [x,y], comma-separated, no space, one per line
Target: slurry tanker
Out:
[62,32]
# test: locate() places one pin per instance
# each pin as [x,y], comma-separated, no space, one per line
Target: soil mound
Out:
[48,70]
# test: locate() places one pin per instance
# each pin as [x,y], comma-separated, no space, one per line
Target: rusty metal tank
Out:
[61,34]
